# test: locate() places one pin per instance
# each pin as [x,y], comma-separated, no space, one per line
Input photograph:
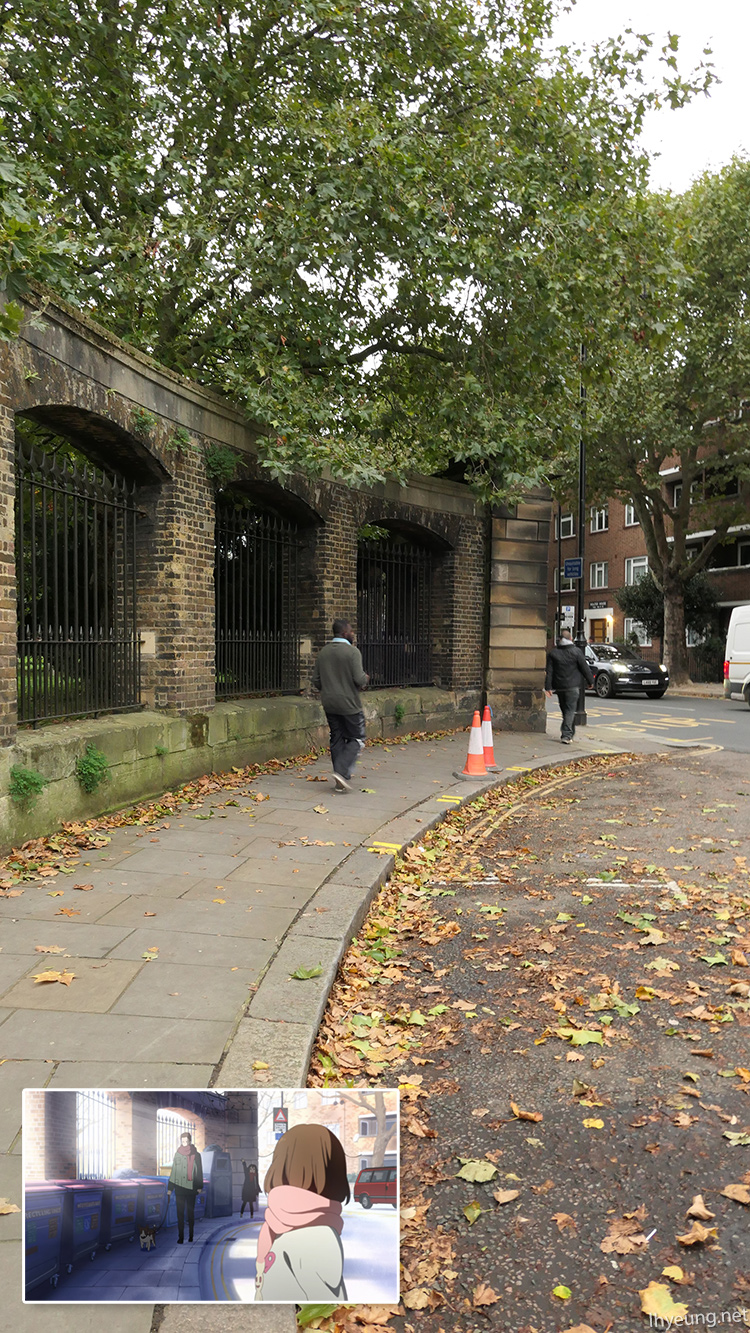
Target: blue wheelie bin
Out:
[217,1174]
[43,1219]
[82,1220]
[151,1209]
[119,1208]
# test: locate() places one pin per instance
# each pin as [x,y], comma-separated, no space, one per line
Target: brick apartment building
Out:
[616,556]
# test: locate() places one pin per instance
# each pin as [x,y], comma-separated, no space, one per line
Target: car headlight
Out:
[619,668]
[662,666]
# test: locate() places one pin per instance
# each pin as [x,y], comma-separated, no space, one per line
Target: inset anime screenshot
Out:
[279,1195]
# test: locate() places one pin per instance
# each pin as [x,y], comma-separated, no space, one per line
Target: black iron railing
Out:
[78,648]
[394,578]
[257,638]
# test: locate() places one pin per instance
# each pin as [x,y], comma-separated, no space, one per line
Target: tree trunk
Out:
[383,1135]
[675,648]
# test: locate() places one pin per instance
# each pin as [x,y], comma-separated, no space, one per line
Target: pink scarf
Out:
[188,1150]
[290,1208]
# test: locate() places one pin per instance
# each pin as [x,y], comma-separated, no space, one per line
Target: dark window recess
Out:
[257,638]
[393,611]
[78,648]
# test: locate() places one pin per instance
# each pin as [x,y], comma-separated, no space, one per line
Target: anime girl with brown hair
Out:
[300,1256]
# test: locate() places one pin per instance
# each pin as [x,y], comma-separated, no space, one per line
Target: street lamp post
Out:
[580,718]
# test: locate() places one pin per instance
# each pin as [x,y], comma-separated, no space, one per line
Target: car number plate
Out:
[651,680]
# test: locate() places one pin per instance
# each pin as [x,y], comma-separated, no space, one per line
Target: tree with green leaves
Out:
[643,601]
[380,227]
[674,398]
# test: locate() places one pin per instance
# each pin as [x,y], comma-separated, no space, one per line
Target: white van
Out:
[737,655]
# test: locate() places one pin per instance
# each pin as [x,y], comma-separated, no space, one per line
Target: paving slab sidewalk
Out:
[184,946]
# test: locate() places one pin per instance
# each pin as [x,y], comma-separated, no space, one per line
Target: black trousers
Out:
[185,1198]
[568,701]
[247,1203]
[347,739]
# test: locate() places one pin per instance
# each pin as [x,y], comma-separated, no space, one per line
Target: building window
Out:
[630,519]
[633,628]
[335,1129]
[600,519]
[562,584]
[95,1135]
[743,553]
[300,1100]
[635,568]
[368,1125]
[566,525]
[330,1096]
[599,574]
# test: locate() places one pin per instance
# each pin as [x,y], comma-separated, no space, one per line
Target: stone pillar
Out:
[518,604]
[176,612]
[8,611]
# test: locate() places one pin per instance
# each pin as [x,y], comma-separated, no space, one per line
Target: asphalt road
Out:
[721,722]
[370,1238]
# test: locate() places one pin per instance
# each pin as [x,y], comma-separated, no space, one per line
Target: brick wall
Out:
[49,1135]
[176,588]
[62,373]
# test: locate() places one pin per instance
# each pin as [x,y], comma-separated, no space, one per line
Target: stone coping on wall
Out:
[149,752]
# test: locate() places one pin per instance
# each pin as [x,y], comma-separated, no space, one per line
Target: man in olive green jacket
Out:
[339,675]
[186,1179]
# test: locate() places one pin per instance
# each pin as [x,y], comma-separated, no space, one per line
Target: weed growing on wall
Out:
[142,422]
[25,785]
[92,769]
[221,464]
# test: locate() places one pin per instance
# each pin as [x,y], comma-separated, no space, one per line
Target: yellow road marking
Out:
[518,768]
[391,846]
[223,1243]
[450,800]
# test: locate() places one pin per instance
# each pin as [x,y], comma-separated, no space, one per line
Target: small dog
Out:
[148,1238]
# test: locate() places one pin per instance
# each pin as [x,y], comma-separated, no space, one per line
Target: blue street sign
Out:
[573,568]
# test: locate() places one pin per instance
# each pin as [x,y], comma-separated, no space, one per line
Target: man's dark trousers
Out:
[568,701]
[184,1197]
[347,739]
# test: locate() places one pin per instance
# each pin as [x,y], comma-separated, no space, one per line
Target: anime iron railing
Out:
[394,579]
[78,649]
[257,641]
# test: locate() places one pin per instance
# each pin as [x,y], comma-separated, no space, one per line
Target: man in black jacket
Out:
[567,669]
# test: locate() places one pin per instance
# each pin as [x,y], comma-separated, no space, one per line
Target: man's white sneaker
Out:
[341,783]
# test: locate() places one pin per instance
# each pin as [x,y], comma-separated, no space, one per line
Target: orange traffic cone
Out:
[475,767]
[488,744]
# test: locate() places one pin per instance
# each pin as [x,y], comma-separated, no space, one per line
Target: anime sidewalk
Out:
[185,920]
[219,1264]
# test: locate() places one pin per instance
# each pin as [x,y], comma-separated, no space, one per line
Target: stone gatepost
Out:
[518,607]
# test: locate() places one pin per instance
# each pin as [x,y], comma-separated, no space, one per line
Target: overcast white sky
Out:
[705,134]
